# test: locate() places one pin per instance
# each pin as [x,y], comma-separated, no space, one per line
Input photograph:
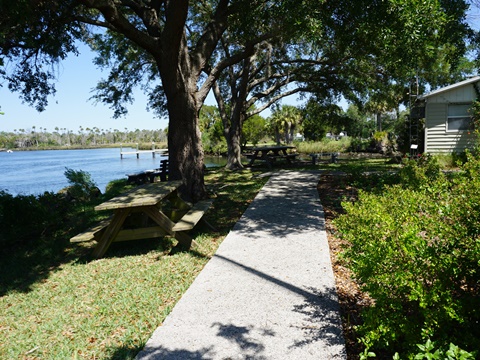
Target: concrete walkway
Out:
[269,291]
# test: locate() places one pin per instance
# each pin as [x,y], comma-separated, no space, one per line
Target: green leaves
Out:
[430,352]
[82,187]
[414,249]
[34,37]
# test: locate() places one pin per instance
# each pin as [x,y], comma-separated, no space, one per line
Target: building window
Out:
[459,117]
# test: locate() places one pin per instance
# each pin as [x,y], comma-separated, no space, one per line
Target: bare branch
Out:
[94,22]
[121,24]
[273,100]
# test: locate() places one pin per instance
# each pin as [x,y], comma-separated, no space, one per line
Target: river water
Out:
[34,172]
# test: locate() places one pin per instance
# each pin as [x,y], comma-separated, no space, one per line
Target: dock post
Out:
[121,151]
[153,149]
[138,154]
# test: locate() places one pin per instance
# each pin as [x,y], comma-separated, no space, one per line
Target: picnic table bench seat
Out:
[137,178]
[271,159]
[193,216]
[149,175]
[95,232]
[290,156]
[279,156]
[92,233]
[332,155]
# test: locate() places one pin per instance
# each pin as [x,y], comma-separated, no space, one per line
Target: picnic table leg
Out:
[284,152]
[167,224]
[254,157]
[110,232]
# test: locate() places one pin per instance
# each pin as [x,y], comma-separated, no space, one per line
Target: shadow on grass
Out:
[126,352]
[22,265]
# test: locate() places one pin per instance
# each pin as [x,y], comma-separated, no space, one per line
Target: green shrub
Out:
[415,249]
[359,145]
[25,218]
[117,187]
[420,172]
[82,187]
[430,352]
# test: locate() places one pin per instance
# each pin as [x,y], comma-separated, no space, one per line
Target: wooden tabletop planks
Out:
[146,195]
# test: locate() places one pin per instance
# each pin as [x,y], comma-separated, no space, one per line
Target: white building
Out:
[448,125]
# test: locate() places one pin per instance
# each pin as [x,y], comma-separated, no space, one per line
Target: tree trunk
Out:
[277,134]
[233,136]
[287,133]
[379,121]
[233,123]
[185,150]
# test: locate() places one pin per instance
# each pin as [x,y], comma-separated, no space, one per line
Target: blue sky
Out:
[71,107]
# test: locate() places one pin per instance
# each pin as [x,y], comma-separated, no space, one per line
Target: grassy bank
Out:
[58,303]
[325,146]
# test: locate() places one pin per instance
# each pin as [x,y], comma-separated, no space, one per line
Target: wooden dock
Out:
[137,152]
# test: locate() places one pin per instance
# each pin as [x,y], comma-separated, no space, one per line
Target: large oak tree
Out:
[177,36]
[174,46]
[354,48]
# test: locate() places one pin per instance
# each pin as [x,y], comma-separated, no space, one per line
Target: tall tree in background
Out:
[284,121]
[353,49]
[261,79]
[320,117]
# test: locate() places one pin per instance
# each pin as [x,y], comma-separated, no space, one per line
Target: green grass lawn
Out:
[59,303]
[56,302]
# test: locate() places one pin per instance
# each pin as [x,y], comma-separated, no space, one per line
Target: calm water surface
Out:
[33,172]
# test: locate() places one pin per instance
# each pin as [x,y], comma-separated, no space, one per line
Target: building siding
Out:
[437,138]
[460,95]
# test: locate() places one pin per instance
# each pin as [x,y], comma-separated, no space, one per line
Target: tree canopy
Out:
[177,50]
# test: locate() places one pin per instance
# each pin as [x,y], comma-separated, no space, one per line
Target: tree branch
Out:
[272,101]
[210,37]
[118,22]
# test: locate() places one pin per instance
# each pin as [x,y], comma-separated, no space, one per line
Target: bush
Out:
[359,145]
[25,218]
[415,249]
[430,352]
[420,172]
[82,187]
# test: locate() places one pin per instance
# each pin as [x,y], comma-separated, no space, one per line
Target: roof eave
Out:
[450,87]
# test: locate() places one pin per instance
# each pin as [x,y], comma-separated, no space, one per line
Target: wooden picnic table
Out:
[148,211]
[270,154]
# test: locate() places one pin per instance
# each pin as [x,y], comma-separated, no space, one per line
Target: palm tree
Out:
[287,118]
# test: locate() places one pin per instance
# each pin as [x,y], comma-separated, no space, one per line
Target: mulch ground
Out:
[333,189]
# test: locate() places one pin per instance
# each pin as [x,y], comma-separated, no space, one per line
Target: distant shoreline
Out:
[76,147]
